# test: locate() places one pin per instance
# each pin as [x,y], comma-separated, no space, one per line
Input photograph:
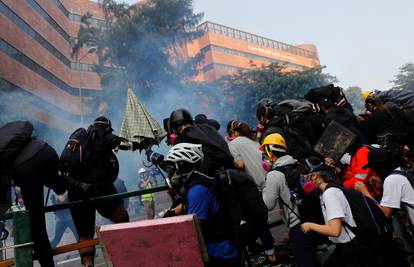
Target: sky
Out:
[361,42]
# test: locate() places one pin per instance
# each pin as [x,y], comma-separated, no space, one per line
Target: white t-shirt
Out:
[398,189]
[334,205]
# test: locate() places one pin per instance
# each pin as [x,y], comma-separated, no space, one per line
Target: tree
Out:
[405,77]
[142,43]
[238,94]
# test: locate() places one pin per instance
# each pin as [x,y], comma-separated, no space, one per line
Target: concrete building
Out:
[36,64]
[228,50]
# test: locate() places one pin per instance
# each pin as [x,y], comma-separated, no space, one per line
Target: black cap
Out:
[377,156]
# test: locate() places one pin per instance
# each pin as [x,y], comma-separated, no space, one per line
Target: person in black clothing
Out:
[380,122]
[339,114]
[100,169]
[36,166]
[215,148]
[201,118]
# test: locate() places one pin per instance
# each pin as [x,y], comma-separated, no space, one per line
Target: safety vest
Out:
[355,173]
[148,197]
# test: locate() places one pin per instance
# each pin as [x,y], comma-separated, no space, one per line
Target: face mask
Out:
[171,139]
[267,165]
[309,187]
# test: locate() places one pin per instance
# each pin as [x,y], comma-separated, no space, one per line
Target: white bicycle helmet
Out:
[191,153]
[142,170]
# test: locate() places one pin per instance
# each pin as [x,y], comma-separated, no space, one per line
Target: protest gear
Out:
[76,152]
[103,122]
[372,227]
[178,117]
[142,171]
[13,137]
[215,149]
[201,118]
[273,142]
[264,109]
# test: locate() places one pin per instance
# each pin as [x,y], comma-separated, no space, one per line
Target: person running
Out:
[99,169]
[276,191]
[338,221]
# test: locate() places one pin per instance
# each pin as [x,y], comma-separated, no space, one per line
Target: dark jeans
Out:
[61,226]
[303,246]
[267,239]
[32,175]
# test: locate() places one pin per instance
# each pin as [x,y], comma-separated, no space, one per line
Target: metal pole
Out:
[22,235]
[80,92]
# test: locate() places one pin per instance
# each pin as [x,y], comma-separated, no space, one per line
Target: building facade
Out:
[227,50]
[39,77]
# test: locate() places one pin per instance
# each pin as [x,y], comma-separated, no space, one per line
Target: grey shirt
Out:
[276,189]
[243,148]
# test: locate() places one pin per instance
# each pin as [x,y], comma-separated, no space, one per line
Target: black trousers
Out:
[31,176]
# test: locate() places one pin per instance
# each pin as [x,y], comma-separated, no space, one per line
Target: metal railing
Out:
[22,232]
[256,39]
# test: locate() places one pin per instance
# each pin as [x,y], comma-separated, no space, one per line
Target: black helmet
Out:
[179,117]
[103,122]
[264,108]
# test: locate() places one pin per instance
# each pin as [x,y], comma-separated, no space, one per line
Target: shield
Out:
[139,129]
[334,141]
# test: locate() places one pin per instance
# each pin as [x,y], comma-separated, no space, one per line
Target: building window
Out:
[48,18]
[35,67]
[32,33]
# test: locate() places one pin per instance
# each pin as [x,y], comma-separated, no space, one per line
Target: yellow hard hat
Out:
[273,140]
[367,94]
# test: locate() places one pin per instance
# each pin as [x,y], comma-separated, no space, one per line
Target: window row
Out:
[249,55]
[252,38]
[49,19]
[35,67]
[222,67]
[25,96]
[61,7]
[32,33]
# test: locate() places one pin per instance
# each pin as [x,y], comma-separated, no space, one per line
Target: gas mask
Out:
[267,165]
[308,186]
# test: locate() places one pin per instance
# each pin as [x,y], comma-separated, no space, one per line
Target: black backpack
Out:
[13,137]
[76,152]
[241,204]
[309,206]
[372,227]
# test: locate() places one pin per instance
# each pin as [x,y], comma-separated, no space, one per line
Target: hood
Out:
[285,160]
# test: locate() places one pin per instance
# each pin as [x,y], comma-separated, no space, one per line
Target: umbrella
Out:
[139,129]
[402,96]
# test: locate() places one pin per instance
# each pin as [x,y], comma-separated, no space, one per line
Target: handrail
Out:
[95,200]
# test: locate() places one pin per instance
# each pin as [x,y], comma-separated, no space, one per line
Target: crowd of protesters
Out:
[361,202]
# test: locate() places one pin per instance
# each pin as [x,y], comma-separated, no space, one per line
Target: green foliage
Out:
[144,39]
[354,96]
[239,94]
[405,77]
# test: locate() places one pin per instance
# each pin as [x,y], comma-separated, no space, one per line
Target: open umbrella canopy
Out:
[139,129]
[401,96]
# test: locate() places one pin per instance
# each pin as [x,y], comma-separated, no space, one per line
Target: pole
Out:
[22,235]
[80,92]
